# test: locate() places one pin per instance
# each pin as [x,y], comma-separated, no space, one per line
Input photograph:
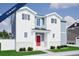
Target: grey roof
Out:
[40,29]
[74,25]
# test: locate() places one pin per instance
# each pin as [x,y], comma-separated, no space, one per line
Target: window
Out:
[38,22]
[53,35]
[25,34]
[42,21]
[53,20]
[42,36]
[25,16]
[28,17]
[75,24]
[22,16]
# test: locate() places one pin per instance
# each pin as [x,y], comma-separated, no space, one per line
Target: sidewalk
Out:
[48,53]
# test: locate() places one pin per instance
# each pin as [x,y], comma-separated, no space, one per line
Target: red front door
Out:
[38,40]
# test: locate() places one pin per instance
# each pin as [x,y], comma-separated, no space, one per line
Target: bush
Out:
[30,49]
[58,47]
[71,43]
[62,46]
[22,49]
[52,47]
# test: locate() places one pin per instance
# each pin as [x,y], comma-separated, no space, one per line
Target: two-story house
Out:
[39,32]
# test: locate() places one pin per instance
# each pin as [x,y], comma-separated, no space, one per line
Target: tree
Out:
[1,35]
[4,35]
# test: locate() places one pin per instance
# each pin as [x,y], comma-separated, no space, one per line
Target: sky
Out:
[69,12]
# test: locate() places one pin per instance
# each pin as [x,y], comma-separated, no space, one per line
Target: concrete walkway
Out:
[48,53]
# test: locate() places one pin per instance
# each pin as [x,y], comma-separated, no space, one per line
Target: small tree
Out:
[5,35]
[1,35]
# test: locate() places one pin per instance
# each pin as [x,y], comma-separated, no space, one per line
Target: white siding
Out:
[24,26]
[7,44]
[54,29]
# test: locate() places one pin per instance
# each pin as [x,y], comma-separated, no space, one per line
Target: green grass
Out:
[69,48]
[14,53]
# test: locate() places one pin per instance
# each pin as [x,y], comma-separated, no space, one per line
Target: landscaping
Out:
[30,52]
[14,53]
[67,48]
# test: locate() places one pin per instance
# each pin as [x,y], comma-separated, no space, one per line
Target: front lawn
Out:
[69,48]
[14,53]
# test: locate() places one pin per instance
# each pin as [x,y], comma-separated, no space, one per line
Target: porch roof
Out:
[41,30]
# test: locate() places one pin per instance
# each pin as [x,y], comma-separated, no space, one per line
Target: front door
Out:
[38,39]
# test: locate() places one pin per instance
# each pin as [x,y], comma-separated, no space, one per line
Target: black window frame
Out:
[53,20]
[25,16]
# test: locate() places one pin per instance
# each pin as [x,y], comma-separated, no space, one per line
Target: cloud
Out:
[70,20]
[63,5]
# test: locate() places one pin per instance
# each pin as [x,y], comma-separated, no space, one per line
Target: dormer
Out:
[40,22]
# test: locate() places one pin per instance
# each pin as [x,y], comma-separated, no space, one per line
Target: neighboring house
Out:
[73,34]
[38,32]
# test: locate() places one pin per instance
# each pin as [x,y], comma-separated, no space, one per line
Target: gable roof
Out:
[76,24]
[54,13]
[26,8]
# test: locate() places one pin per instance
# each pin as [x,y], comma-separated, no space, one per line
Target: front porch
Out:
[41,38]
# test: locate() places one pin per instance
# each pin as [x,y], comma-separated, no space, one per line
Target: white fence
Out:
[7,44]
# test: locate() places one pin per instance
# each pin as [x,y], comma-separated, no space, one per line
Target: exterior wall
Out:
[54,29]
[71,35]
[7,44]
[24,26]
[63,33]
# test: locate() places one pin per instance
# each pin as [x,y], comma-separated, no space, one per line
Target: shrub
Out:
[52,47]
[71,43]
[22,49]
[58,47]
[62,46]
[30,49]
